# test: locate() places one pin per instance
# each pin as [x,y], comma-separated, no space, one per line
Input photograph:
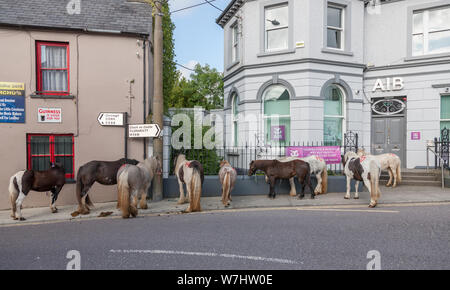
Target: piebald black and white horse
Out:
[366,169]
[21,183]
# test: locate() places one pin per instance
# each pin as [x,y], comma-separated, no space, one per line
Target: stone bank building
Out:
[312,70]
[60,67]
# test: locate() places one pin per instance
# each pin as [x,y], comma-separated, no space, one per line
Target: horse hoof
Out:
[54,210]
[144,207]
[372,205]
[301,197]
[312,196]
[346,197]
[22,219]
[356,197]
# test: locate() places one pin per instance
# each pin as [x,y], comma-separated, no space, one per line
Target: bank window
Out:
[276,28]
[235,119]
[234,43]
[445,112]
[277,120]
[52,68]
[333,125]
[335,27]
[43,149]
[431,31]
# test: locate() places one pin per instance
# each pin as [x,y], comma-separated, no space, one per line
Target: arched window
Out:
[277,115]
[334,116]
[234,118]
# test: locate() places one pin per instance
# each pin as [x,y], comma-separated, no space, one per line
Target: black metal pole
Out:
[125,123]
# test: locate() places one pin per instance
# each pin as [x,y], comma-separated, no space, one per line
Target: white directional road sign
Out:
[143,130]
[110,119]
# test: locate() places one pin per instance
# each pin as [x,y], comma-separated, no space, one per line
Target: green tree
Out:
[205,89]
[170,73]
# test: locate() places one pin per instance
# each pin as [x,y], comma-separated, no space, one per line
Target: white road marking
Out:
[206,254]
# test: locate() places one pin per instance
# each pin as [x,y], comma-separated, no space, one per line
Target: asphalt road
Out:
[407,237]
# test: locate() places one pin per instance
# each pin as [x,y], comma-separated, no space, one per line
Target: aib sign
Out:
[388,84]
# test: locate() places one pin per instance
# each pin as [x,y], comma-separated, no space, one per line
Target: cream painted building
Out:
[74,63]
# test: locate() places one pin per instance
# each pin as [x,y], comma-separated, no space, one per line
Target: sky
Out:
[198,39]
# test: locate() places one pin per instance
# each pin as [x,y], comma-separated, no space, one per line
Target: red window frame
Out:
[51,154]
[39,68]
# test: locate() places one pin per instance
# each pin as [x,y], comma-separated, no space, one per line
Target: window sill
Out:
[278,52]
[43,96]
[337,51]
[428,56]
[233,65]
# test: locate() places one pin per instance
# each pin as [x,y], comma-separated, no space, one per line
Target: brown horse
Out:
[275,169]
[52,179]
[104,172]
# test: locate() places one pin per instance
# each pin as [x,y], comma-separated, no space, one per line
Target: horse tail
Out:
[324,180]
[14,191]
[226,187]
[196,185]
[13,186]
[79,188]
[399,171]
[374,182]
[124,194]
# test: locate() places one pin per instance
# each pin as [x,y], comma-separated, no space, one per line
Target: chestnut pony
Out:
[227,177]
[275,169]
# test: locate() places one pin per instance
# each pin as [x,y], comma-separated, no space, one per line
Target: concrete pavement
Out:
[401,194]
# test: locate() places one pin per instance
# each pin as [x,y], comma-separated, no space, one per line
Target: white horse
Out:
[191,174]
[390,162]
[318,168]
[366,169]
[227,177]
[133,182]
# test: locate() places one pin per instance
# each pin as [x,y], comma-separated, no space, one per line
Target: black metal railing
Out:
[241,156]
[442,149]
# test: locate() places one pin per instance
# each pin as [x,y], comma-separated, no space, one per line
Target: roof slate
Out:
[108,15]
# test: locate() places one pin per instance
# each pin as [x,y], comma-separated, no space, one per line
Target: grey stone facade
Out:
[376,45]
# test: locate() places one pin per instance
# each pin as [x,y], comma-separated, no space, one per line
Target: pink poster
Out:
[331,154]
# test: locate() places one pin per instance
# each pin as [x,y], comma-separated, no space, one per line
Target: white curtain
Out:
[54,57]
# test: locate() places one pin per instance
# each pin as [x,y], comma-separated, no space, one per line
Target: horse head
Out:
[252,169]
[56,166]
[361,152]
[223,163]
[153,164]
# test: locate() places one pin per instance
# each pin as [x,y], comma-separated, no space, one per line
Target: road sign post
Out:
[143,130]
[111,119]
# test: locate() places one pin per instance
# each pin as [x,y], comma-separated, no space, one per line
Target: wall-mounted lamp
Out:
[274,22]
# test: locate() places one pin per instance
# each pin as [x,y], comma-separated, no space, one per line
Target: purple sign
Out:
[331,154]
[415,135]
[278,133]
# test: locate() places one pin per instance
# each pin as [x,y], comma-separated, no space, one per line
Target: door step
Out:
[417,177]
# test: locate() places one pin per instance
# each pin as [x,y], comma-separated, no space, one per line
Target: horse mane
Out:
[197,166]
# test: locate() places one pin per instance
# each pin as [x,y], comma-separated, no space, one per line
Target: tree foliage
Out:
[170,74]
[205,89]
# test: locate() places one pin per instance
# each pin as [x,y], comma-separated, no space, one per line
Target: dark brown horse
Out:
[20,184]
[275,170]
[104,172]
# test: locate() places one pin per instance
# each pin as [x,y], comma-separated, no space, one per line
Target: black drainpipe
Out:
[145,95]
